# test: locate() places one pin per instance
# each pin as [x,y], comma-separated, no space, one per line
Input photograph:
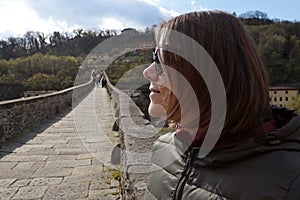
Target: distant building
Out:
[280,96]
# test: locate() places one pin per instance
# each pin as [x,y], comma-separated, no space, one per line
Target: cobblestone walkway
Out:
[63,158]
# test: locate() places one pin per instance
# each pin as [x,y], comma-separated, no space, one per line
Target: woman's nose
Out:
[149,73]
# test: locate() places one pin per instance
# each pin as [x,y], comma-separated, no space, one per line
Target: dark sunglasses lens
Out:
[155,58]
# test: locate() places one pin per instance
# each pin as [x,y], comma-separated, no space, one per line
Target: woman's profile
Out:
[208,77]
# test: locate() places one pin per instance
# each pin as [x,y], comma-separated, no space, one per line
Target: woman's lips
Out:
[154,90]
[154,93]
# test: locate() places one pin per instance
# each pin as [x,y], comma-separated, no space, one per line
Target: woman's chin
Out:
[157,110]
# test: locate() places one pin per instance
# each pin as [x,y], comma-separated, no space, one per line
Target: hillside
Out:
[39,62]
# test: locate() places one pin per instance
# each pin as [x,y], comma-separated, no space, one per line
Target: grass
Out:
[116,174]
[110,193]
[165,130]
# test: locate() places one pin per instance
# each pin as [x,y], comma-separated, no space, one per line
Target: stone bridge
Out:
[50,150]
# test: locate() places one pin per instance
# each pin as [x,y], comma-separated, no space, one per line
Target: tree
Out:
[32,42]
[255,17]
[10,87]
[272,52]
[56,38]
[3,67]
[78,32]
[254,14]
[271,46]
[42,41]
[295,104]
[41,81]
[294,59]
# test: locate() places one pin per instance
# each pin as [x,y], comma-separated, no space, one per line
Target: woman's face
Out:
[158,87]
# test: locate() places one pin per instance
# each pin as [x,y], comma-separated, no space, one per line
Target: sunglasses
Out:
[158,67]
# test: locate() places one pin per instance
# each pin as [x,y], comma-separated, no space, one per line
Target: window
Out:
[275,98]
[275,92]
[280,98]
[286,92]
[287,98]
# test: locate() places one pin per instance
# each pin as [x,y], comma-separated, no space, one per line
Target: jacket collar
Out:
[287,137]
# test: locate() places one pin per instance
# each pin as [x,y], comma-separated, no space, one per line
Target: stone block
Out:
[52,172]
[68,191]
[45,181]
[7,193]
[30,192]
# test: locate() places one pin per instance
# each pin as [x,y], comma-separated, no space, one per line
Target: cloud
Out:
[17,18]
[157,4]
[66,15]
[91,14]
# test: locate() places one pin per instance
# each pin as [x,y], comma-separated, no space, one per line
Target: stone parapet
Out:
[137,137]
[18,115]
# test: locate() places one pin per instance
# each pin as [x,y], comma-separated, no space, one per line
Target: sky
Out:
[19,16]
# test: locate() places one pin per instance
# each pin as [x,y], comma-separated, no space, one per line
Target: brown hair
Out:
[231,47]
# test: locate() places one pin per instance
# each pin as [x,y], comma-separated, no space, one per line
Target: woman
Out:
[229,143]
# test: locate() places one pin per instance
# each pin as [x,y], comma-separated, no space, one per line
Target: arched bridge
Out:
[62,153]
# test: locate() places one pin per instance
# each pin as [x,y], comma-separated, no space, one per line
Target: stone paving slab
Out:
[7,193]
[6,182]
[30,192]
[63,158]
[45,181]
[67,191]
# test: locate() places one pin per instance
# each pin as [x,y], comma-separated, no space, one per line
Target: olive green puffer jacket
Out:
[264,167]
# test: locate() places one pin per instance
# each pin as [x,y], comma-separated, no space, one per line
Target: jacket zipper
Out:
[185,174]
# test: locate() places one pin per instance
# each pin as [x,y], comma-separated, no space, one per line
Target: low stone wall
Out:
[20,114]
[137,137]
